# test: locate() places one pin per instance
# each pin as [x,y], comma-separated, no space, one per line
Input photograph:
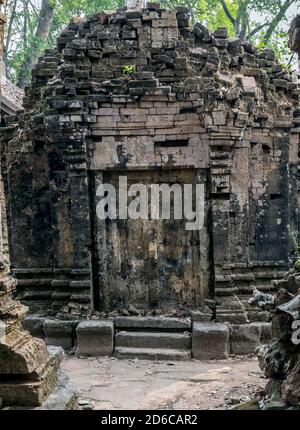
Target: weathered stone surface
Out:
[245,338]
[210,341]
[291,385]
[32,390]
[280,360]
[161,323]
[59,333]
[28,372]
[95,338]
[143,93]
[63,398]
[198,316]
[249,86]
[34,324]
[294,34]
[221,33]
[148,340]
[152,354]
[266,333]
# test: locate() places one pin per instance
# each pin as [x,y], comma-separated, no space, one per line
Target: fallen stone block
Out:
[159,323]
[210,341]
[34,324]
[95,338]
[152,354]
[59,333]
[155,340]
[249,85]
[245,338]
[220,42]
[221,33]
[199,316]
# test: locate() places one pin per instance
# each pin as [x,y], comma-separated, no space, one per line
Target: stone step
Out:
[153,323]
[153,354]
[130,339]
[16,390]
[62,398]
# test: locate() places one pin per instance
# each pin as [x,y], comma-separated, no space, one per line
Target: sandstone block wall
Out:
[141,92]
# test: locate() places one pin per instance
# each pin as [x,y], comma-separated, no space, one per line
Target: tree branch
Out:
[291,59]
[227,12]
[9,30]
[257,29]
[284,8]
[34,9]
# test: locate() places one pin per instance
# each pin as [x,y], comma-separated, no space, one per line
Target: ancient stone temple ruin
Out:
[141,94]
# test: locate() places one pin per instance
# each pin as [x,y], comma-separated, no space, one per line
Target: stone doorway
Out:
[148,263]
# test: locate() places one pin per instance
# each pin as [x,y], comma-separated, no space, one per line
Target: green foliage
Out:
[295,249]
[20,36]
[295,244]
[264,6]
[66,9]
[278,43]
[127,70]
[212,14]
[21,41]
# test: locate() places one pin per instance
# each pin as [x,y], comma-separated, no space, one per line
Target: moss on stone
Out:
[297,265]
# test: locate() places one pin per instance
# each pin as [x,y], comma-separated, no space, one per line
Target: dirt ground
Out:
[110,384]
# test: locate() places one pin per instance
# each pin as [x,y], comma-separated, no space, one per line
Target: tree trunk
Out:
[242,20]
[41,35]
[9,30]
[244,28]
